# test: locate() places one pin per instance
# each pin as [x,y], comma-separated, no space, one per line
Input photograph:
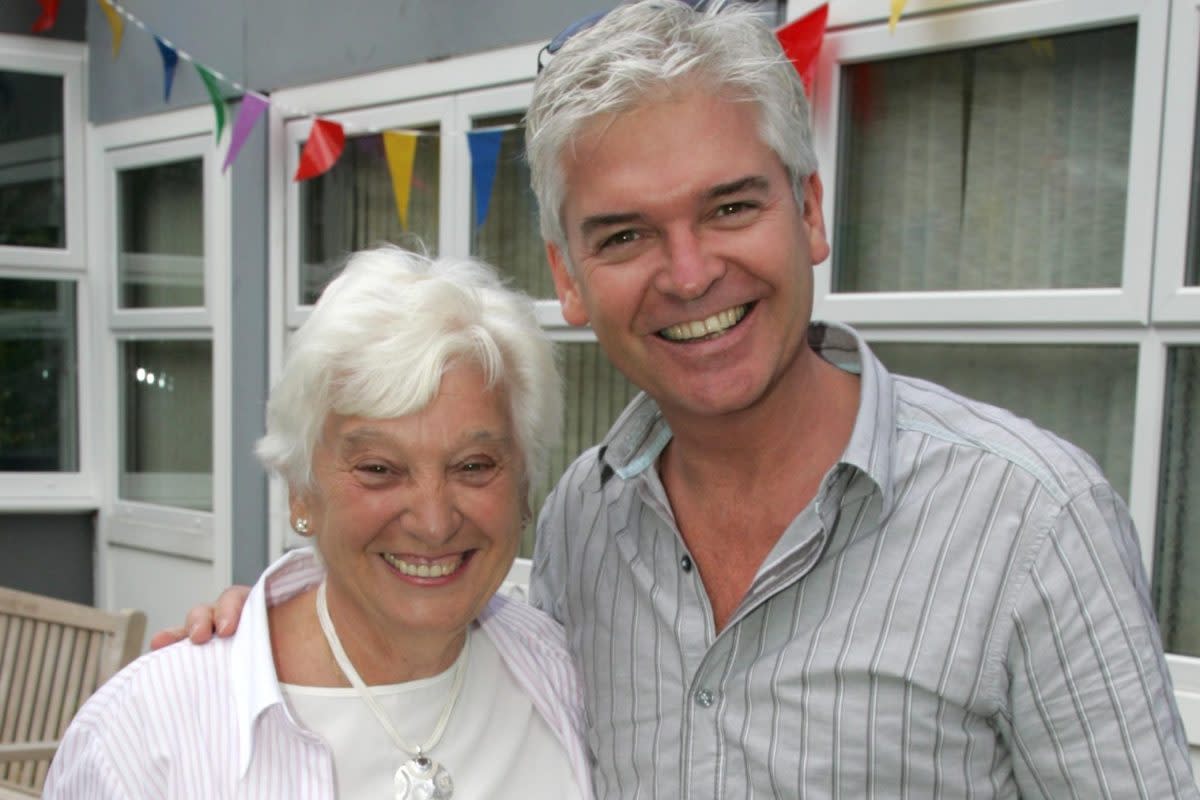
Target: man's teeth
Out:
[700,328]
[424,570]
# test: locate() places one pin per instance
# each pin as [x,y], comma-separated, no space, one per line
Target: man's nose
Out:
[690,268]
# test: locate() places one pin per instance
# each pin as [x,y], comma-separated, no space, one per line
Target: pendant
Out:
[422,778]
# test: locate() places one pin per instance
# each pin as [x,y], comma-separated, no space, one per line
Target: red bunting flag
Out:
[801,41]
[322,150]
[48,16]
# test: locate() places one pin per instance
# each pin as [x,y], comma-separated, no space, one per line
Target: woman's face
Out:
[418,518]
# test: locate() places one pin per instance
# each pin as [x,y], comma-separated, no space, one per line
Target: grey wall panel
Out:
[18,16]
[273,44]
[249,314]
[131,85]
[317,41]
[50,554]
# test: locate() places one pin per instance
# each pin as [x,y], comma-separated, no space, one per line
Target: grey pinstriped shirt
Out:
[960,612]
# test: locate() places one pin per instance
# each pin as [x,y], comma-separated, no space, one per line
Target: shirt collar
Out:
[254,680]
[639,435]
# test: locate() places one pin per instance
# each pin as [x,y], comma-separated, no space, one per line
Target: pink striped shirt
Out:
[210,721]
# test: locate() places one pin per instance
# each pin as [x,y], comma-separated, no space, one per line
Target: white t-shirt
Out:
[496,744]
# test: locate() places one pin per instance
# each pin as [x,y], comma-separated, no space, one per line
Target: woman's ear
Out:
[298,512]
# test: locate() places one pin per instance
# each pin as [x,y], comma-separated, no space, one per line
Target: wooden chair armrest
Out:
[27,751]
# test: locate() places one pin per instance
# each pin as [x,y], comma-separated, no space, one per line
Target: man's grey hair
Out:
[644,49]
[383,334]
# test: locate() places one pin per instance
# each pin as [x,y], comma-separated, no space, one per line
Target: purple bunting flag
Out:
[251,108]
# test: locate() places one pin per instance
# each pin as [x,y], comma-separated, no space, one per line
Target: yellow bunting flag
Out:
[400,149]
[116,22]
[897,10]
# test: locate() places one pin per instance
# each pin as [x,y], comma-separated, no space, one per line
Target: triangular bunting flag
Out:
[48,17]
[116,22]
[251,108]
[485,149]
[897,10]
[801,41]
[170,60]
[401,148]
[214,94]
[322,150]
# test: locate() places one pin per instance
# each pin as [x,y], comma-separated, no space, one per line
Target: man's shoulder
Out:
[930,409]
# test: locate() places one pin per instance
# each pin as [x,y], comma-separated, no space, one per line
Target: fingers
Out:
[199,624]
[167,636]
[228,611]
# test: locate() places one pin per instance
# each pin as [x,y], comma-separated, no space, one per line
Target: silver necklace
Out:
[419,778]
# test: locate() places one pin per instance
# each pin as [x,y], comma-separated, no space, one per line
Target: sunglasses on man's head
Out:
[581,25]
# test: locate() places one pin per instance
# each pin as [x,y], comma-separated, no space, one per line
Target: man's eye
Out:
[619,238]
[729,209]
[373,469]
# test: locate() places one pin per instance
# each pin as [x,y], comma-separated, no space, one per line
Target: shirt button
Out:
[704,697]
[686,563]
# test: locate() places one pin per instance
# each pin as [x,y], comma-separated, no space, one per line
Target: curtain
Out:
[996,167]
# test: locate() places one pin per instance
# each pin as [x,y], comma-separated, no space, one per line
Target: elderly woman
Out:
[415,405]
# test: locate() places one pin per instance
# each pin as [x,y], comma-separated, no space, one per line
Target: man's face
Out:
[693,259]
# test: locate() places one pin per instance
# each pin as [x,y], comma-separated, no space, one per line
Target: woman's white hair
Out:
[382,335]
[644,48]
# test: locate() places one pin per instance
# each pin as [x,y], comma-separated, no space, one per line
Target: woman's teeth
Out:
[424,569]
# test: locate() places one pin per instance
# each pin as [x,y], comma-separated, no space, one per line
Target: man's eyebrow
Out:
[593,223]
[749,183]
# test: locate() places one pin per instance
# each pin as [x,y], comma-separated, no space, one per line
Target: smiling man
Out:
[786,572]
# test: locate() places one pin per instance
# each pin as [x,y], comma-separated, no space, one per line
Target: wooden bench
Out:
[53,655]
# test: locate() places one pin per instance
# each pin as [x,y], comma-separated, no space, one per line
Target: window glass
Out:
[166,422]
[1192,273]
[39,429]
[353,206]
[32,206]
[1082,393]
[595,394]
[160,260]
[510,237]
[1176,595]
[997,167]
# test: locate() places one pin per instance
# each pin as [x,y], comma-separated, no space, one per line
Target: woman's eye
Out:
[373,469]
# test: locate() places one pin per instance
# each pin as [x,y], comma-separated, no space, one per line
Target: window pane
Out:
[39,429]
[166,422]
[353,206]
[32,207]
[1082,393]
[1192,274]
[595,393]
[160,259]
[510,237]
[999,167]
[1176,596]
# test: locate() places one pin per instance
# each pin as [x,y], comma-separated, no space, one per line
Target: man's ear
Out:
[814,217]
[569,294]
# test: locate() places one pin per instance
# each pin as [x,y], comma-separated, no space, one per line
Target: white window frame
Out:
[75,490]
[147,141]
[1174,302]
[986,24]
[65,60]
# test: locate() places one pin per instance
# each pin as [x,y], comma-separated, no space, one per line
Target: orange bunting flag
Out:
[897,10]
[801,41]
[48,17]
[401,148]
[116,22]
[322,150]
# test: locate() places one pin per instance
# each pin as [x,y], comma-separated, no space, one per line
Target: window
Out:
[45,450]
